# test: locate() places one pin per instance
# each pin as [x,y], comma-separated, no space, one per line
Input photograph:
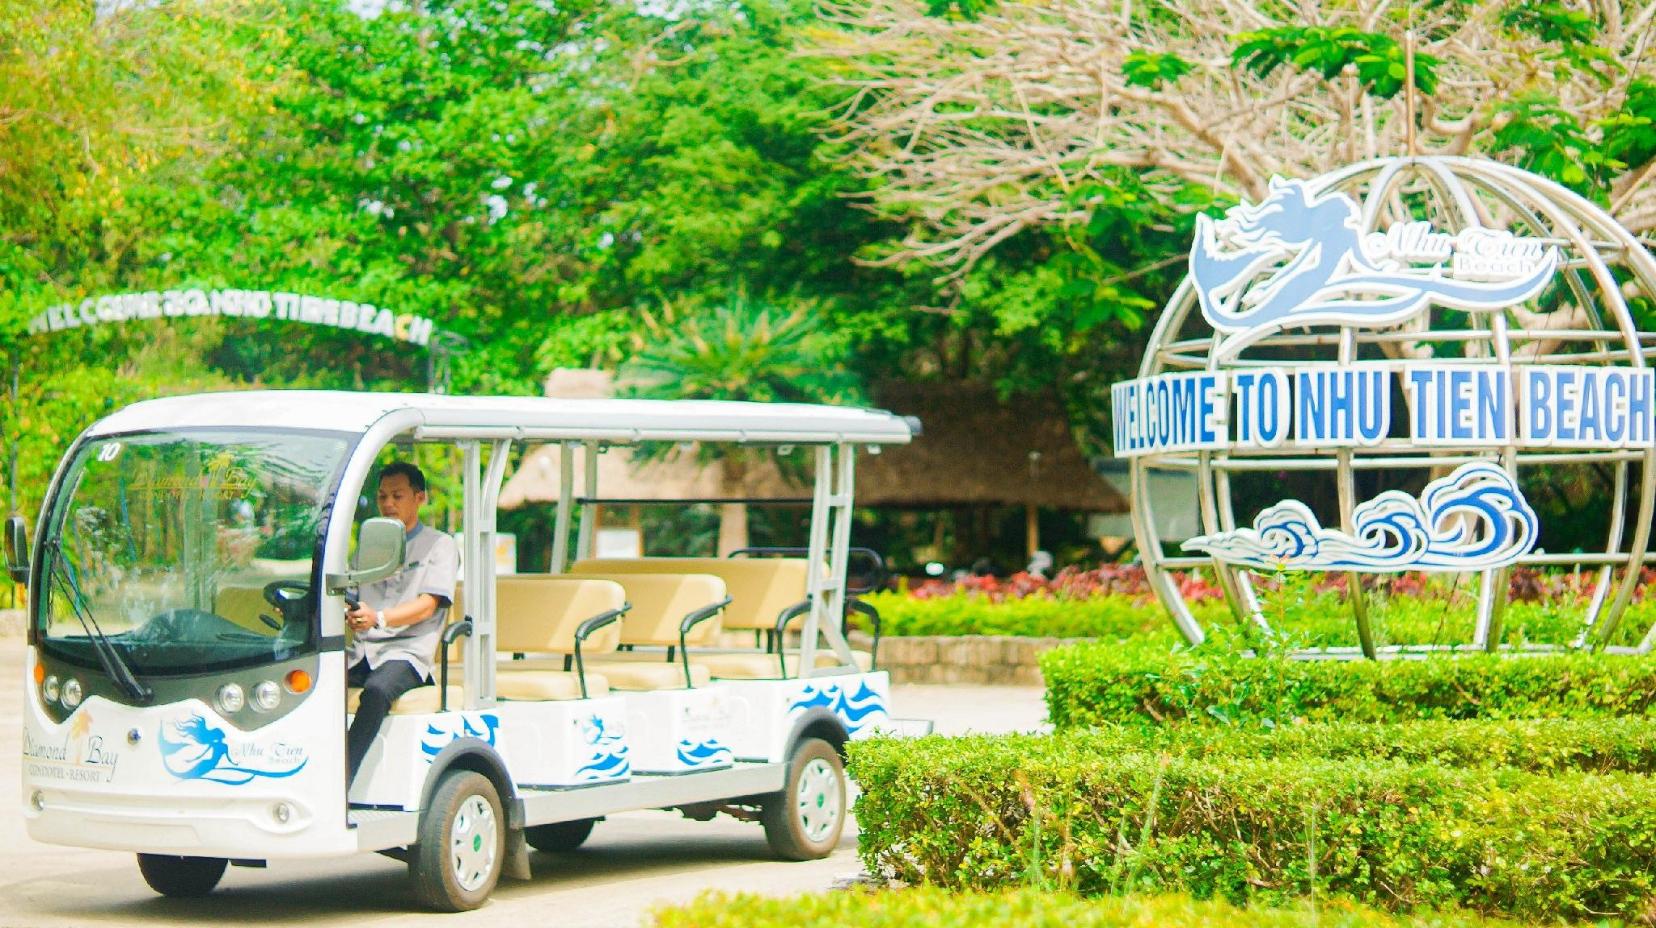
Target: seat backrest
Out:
[541,613]
[661,601]
[759,588]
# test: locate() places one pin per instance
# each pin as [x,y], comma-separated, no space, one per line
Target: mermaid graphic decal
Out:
[1300,258]
[192,749]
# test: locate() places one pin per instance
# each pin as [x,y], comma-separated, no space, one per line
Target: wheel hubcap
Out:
[472,843]
[818,800]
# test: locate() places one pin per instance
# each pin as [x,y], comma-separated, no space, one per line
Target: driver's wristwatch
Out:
[379,618]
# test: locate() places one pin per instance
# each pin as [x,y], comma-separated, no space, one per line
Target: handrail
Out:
[691,620]
[585,629]
[450,634]
[857,605]
[779,637]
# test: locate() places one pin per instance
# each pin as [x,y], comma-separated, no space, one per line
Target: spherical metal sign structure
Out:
[1402,345]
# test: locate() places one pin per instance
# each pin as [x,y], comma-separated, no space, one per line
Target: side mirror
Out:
[17,550]
[380,544]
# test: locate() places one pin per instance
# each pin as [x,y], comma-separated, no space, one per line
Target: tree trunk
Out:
[733,527]
[733,517]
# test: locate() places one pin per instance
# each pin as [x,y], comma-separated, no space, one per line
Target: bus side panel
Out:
[180,779]
[577,742]
[767,709]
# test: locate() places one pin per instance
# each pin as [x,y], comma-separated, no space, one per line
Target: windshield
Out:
[192,550]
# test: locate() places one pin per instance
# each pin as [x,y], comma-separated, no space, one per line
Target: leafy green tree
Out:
[100,107]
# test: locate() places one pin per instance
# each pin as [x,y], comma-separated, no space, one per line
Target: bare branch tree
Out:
[974,129]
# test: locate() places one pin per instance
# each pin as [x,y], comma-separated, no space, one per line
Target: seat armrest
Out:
[585,630]
[689,622]
[450,635]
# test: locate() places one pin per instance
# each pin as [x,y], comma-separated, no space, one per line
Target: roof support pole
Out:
[566,503]
[830,541]
[589,511]
[477,568]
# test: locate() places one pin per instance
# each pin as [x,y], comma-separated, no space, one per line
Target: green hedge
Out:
[1305,618]
[1536,745]
[994,813]
[1091,684]
[931,908]
[1033,616]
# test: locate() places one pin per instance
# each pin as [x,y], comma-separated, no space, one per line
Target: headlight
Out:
[50,688]
[231,698]
[266,695]
[71,693]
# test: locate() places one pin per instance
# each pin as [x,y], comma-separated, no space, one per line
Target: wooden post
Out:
[1032,530]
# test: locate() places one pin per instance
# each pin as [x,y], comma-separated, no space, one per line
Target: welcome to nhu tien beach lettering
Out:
[1366,403]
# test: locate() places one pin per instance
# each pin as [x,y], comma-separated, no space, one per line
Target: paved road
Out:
[632,863]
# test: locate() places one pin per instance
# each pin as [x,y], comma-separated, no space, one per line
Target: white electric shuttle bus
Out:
[187,695]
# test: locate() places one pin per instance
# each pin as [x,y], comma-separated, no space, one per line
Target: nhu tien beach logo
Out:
[1320,269]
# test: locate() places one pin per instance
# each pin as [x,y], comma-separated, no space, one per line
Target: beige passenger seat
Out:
[568,618]
[673,615]
[760,589]
[534,613]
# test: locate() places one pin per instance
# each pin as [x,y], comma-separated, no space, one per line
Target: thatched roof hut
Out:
[974,450]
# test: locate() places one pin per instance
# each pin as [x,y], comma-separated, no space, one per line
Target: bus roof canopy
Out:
[518,417]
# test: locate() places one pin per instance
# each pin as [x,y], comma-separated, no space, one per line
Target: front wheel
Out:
[462,844]
[181,877]
[804,821]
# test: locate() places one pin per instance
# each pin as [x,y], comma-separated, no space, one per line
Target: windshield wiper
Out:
[108,655]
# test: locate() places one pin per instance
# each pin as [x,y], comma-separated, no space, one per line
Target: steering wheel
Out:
[286,594]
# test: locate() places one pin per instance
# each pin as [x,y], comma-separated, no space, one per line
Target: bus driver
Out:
[399,620]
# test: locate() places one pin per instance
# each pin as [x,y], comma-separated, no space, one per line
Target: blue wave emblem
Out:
[853,710]
[708,753]
[1474,519]
[608,760]
[202,752]
[436,738]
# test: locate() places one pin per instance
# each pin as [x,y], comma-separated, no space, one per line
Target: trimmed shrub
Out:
[1536,745]
[1092,684]
[929,908]
[988,813]
[1306,617]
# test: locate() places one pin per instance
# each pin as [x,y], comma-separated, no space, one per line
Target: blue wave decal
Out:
[852,710]
[1475,518]
[437,738]
[202,752]
[608,760]
[706,754]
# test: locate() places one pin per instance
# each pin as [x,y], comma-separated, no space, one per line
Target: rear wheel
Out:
[804,821]
[559,836]
[462,844]
[181,877]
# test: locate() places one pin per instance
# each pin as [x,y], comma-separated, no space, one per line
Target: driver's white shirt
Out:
[431,564]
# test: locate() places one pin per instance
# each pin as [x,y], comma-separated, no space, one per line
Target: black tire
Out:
[559,836]
[181,877]
[804,821]
[462,845]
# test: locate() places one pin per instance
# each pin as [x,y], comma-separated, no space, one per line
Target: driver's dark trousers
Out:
[380,688]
